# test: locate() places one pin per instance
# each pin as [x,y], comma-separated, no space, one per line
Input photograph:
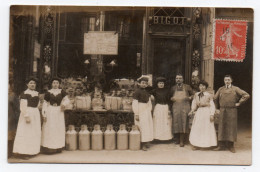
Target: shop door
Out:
[168,59]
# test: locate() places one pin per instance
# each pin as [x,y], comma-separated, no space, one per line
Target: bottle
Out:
[71,138]
[97,138]
[122,138]
[134,138]
[84,138]
[110,138]
[108,102]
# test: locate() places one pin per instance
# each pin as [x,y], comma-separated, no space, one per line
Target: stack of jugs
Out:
[71,138]
[83,102]
[97,138]
[84,138]
[122,138]
[134,138]
[110,138]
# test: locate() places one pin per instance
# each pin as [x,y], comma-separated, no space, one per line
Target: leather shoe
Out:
[144,148]
[219,148]
[232,149]
[195,148]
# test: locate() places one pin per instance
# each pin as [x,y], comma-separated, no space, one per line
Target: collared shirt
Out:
[228,86]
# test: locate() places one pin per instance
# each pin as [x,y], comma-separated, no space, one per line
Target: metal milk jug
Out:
[71,138]
[97,138]
[122,138]
[110,138]
[84,138]
[134,138]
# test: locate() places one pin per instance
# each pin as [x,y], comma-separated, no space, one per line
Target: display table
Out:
[101,117]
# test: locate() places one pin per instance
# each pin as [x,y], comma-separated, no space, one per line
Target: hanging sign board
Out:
[229,41]
[101,42]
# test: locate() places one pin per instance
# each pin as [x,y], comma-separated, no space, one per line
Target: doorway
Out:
[168,58]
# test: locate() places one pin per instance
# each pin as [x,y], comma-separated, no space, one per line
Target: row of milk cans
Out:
[98,140]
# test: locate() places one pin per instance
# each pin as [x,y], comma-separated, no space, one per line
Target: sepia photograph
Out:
[130,85]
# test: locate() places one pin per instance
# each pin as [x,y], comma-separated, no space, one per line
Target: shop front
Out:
[107,49]
[53,41]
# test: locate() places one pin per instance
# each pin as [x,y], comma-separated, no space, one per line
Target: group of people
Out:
[30,137]
[168,117]
[178,104]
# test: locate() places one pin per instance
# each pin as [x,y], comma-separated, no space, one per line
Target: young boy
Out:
[142,107]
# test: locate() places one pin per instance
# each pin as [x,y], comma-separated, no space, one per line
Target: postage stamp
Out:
[229,40]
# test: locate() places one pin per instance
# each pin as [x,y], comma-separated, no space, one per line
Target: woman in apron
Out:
[53,129]
[203,133]
[161,117]
[28,136]
[142,108]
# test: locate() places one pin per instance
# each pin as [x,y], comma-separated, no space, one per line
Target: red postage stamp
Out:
[229,42]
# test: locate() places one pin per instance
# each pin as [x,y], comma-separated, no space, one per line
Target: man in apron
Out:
[181,96]
[227,99]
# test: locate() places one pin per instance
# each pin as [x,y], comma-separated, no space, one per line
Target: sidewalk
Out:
[158,153]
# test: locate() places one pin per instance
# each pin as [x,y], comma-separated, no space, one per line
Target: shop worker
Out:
[227,99]
[27,141]
[53,129]
[181,96]
[161,114]
[142,107]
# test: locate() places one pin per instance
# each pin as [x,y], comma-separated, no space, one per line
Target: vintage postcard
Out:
[130,85]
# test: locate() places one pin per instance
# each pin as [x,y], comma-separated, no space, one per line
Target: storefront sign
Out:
[167,20]
[103,43]
[229,41]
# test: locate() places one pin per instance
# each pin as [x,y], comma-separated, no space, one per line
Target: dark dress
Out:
[161,96]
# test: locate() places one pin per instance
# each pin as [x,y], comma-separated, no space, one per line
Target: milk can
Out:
[97,138]
[134,138]
[122,138]
[110,138]
[84,138]
[71,138]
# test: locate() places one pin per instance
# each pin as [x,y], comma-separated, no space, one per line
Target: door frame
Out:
[187,57]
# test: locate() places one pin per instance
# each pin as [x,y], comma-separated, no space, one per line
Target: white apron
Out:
[162,124]
[145,122]
[28,136]
[203,132]
[53,130]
